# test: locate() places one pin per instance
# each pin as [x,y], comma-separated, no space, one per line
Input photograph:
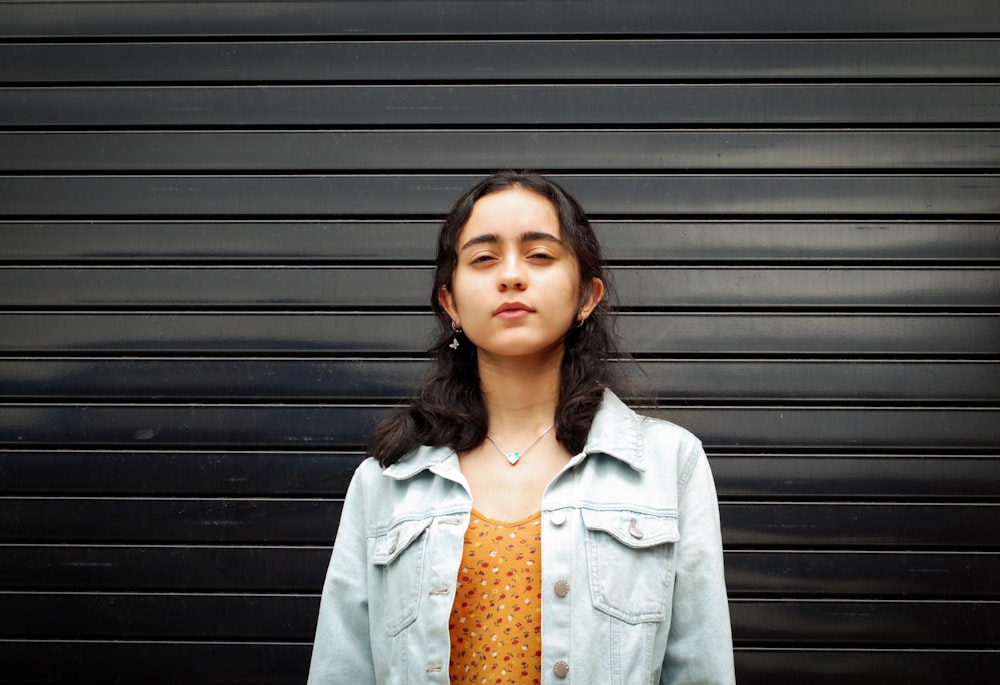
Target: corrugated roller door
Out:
[216,223]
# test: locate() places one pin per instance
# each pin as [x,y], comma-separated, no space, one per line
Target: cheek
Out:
[462,293]
[566,287]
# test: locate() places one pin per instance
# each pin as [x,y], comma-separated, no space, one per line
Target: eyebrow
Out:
[526,237]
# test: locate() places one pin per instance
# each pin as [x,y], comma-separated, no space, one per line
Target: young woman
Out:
[517,523]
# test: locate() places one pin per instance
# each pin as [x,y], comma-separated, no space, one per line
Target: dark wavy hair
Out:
[450,410]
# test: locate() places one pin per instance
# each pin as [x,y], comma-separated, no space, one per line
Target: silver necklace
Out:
[513,457]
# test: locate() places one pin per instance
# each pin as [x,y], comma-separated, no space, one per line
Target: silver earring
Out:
[454,338]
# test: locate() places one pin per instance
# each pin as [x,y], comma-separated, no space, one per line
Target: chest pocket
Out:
[631,560]
[399,553]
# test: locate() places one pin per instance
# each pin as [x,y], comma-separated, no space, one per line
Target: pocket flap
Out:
[633,528]
[391,543]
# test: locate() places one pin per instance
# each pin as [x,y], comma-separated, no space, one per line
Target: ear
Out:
[447,301]
[592,297]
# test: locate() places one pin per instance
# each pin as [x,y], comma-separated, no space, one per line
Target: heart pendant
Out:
[512,457]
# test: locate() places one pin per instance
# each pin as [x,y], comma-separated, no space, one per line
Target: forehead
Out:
[511,212]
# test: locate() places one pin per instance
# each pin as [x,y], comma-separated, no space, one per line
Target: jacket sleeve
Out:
[700,643]
[342,649]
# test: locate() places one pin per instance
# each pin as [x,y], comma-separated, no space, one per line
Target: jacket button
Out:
[561,669]
[634,530]
[562,587]
[558,518]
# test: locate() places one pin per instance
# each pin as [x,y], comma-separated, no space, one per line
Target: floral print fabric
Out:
[496,621]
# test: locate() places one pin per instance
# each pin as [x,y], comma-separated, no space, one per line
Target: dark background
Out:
[216,223]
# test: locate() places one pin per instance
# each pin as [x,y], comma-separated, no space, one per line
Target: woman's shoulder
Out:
[417,470]
[665,440]
[648,427]
[661,427]
[652,445]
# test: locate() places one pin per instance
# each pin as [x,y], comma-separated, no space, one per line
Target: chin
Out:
[522,348]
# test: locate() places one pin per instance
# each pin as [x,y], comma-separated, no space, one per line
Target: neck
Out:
[521,395]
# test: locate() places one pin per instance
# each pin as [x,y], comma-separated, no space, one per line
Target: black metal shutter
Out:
[216,222]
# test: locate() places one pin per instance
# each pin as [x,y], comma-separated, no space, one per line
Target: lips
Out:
[512,310]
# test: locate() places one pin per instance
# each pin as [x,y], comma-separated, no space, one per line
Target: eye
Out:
[541,257]
[481,259]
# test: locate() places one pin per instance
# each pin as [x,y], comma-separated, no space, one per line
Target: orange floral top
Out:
[496,621]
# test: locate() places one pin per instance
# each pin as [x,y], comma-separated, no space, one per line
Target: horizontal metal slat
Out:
[378,196]
[899,478]
[143,616]
[187,568]
[824,525]
[220,287]
[369,241]
[501,105]
[163,472]
[489,17]
[805,242]
[91,662]
[212,379]
[843,575]
[499,60]
[867,624]
[886,335]
[329,380]
[338,427]
[772,475]
[150,616]
[181,568]
[840,288]
[765,666]
[253,663]
[379,242]
[762,525]
[199,521]
[609,149]
[358,288]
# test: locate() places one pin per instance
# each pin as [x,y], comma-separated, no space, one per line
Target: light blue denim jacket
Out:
[632,523]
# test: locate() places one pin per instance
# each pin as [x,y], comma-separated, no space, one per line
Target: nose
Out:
[512,276]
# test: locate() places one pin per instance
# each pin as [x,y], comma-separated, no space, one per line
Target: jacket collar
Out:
[421,459]
[615,432]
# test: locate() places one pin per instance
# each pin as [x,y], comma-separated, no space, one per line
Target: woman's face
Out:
[516,287]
